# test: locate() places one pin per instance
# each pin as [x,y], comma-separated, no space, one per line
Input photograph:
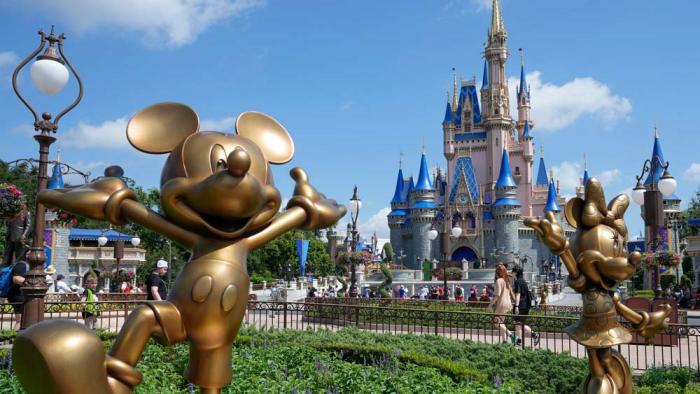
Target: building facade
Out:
[488,185]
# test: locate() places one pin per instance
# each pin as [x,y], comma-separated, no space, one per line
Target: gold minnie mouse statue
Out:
[597,261]
[218,199]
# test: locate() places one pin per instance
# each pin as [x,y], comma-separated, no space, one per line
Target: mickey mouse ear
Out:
[270,136]
[160,127]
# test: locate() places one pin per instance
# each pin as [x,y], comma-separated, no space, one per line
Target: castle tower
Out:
[523,95]
[399,212]
[495,98]
[581,188]
[422,215]
[506,211]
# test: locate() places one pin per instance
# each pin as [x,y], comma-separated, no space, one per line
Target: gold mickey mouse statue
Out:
[597,260]
[218,199]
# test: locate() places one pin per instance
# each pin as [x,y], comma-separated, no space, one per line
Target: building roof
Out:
[586,177]
[657,159]
[410,188]
[423,205]
[398,212]
[551,199]
[488,215]
[465,166]
[448,113]
[398,193]
[91,234]
[468,92]
[526,130]
[507,201]
[424,182]
[496,19]
[522,89]
[542,178]
[505,178]
[56,180]
[485,79]
[470,136]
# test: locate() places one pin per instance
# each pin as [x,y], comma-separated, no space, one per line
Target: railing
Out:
[678,345]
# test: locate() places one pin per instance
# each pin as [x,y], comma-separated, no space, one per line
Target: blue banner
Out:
[302,253]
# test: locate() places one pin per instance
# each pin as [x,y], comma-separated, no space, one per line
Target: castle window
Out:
[517,170]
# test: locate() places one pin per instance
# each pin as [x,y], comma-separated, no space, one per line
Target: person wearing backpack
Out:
[521,308]
[12,288]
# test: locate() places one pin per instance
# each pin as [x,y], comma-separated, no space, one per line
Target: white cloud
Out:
[346,106]
[8,58]
[692,173]
[482,5]
[173,22]
[569,175]
[224,124]
[609,176]
[110,134]
[557,106]
[377,222]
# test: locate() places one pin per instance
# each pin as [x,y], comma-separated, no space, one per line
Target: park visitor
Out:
[155,286]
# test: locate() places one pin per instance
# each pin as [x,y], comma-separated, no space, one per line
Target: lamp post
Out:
[50,76]
[649,196]
[355,205]
[455,232]
[289,273]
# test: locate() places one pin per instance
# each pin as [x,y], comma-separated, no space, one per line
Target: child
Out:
[90,313]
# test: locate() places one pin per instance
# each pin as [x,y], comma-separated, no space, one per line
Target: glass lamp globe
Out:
[355,206]
[432,234]
[638,194]
[49,76]
[667,184]
[456,231]
[136,241]
[102,240]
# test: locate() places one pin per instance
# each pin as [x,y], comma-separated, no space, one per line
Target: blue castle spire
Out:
[526,130]
[542,179]
[448,113]
[399,187]
[423,182]
[505,178]
[523,84]
[657,159]
[485,80]
[551,199]
[411,186]
[56,180]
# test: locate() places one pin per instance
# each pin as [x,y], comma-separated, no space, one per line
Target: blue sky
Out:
[356,82]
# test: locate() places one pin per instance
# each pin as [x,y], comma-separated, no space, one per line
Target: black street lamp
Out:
[50,75]
[354,207]
[289,273]
[650,197]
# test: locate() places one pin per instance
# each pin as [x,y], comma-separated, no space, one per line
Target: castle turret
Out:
[551,205]
[506,211]
[542,179]
[523,96]
[399,212]
[495,98]
[423,210]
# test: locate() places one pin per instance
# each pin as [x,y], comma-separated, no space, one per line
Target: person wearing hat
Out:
[155,286]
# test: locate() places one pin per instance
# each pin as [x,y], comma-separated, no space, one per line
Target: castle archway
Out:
[464,252]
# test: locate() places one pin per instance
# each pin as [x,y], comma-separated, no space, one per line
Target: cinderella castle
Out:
[489,184]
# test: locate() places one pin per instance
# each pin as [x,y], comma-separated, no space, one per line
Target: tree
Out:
[693,211]
[388,253]
[388,278]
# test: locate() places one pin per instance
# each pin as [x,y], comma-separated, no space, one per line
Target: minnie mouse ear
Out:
[270,136]
[573,211]
[160,127]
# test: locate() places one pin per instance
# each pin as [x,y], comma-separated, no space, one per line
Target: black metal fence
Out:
[678,345]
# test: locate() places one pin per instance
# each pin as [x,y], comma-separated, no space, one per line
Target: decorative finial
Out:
[454,88]
[522,56]
[423,146]
[400,159]
[585,162]
[656,131]
[551,174]
[541,151]
[58,155]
